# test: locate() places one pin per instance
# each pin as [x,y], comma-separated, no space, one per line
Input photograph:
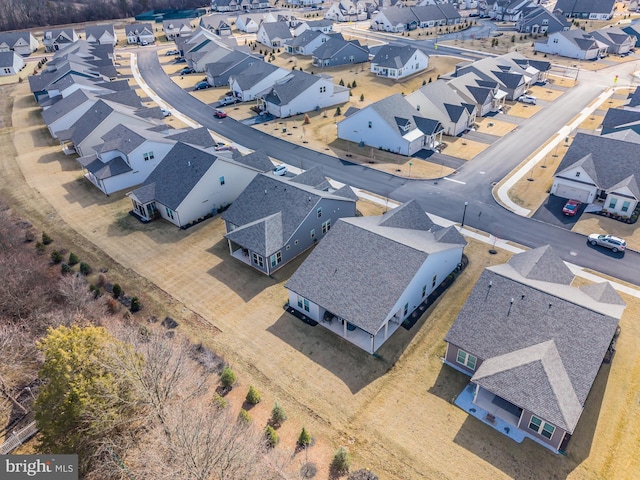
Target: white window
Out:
[221,180]
[148,156]
[326,226]
[612,203]
[169,213]
[625,206]
[540,426]
[555,40]
[406,309]
[319,212]
[424,290]
[258,260]
[577,174]
[433,281]
[276,259]
[303,303]
[466,359]
[313,233]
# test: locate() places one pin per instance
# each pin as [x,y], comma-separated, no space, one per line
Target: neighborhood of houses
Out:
[531,343]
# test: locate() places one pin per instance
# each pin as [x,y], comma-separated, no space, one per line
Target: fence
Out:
[18,438]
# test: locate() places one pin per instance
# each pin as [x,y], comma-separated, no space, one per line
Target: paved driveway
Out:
[551,212]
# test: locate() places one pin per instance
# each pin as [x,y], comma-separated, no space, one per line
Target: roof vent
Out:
[189,163]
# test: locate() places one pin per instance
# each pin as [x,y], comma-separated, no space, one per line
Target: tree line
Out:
[22,14]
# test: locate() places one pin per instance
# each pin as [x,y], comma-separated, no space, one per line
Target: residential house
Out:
[218,24]
[391,124]
[620,119]
[250,22]
[72,83]
[617,41]
[337,51]
[273,34]
[201,48]
[103,116]
[255,80]
[401,19]
[54,40]
[140,33]
[588,174]
[397,62]
[277,218]
[10,63]
[125,158]
[505,10]
[633,101]
[586,9]
[303,3]
[234,62]
[438,101]
[63,114]
[346,11]
[177,27]
[572,44]
[634,30]
[23,43]
[103,34]
[225,5]
[306,42]
[537,19]
[300,92]
[486,94]
[438,14]
[532,344]
[324,25]
[333,285]
[191,184]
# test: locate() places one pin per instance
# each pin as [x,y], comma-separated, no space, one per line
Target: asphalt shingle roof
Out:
[392,56]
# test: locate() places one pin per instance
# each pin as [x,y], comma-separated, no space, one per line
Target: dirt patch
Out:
[545,93]
[494,127]
[463,148]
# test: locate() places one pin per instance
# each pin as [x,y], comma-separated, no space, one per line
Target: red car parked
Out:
[571,208]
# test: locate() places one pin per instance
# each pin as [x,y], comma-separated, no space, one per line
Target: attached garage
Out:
[572,192]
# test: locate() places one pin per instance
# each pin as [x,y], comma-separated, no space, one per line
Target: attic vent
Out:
[189,163]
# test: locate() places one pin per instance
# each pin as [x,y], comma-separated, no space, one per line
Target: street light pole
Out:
[464,212]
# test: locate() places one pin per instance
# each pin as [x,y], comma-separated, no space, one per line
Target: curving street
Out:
[446,197]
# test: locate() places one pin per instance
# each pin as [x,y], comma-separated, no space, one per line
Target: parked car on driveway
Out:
[165,112]
[223,147]
[202,85]
[187,71]
[616,244]
[172,52]
[530,99]
[280,170]
[220,114]
[571,208]
[228,100]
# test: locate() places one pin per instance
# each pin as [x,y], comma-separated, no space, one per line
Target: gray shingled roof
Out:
[265,196]
[393,56]
[253,74]
[98,30]
[542,264]
[607,161]
[7,58]
[277,30]
[312,178]
[506,314]
[120,138]
[570,7]
[332,46]
[102,170]
[10,38]
[64,106]
[138,29]
[338,274]
[194,136]
[90,120]
[619,118]
[175,176]
[257,160]
[304,38]
[290,87]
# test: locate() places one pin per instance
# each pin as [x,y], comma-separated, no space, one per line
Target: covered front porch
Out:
[239,253]
[356,335]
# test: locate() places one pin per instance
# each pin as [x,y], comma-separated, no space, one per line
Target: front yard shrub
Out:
[227,377]
[271,436]
[40,248]
[73,258]
[304,439]
[117,290]
[341,461]
[56,257]
[362,97]
[135,304]
[278,415]
[253,396]
[353,84]
[219,402]
[338,112]
[65,268]
[46,239]
[243,416]
[85,269]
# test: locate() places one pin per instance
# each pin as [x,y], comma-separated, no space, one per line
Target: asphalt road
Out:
[445,198]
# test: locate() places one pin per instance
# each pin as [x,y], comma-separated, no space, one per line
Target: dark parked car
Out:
[187,71]
[202,85]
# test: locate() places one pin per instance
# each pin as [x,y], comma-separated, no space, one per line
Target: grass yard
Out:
[393,411]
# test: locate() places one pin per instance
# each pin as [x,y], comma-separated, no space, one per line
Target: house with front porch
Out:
[391,124]
[306,42]
[300,92]
[404,248]
[191,184]
[437,100]
[103,34]
[572,44]
[602,170]
[255,80]
[276,218]
[325,26]
[177,27]
[486,94]
[23,43]
[273,34]
[532,345]
[346,11]
[586,9]
[140,34]
[397,62]
[10,63]
[537,19]
[617,41]
[54,40]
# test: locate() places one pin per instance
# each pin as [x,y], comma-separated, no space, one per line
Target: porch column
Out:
[230,247]
[386,329]
[372,338]
[344,328]
[475,394]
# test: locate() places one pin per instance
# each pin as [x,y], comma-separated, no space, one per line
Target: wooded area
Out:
[21,14]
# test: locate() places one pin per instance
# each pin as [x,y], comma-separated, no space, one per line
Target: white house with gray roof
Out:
[273,34]
[54,40]
[338,51]
[400,18]
[10,63]
[177,27]
[300,92]
[486,94]
[324,25]
[392,124]
[346,11]
[277,218]
[140,33]
[586,9]
[125,158]
[104,34]
[598,168]
[572,44]
[398,62]
[615,39]
[306,42]
[234,62]
[191,184]
[370,274]
[255,80]
[439,101]
[533,345]
[23,43]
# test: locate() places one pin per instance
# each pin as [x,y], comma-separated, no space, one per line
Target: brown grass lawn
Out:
[393,411]
[494,127]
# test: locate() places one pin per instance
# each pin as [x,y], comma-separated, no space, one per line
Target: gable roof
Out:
[138,29]
[336,275]
[11,38]
[253,74]
[270,210]
[334,45]
[258,160]
[394,56]
[175,176]
[199,137]
[288,88]
[103,170]
[97,31]
[619,119]
[276,30]
[532,332]
[570,7]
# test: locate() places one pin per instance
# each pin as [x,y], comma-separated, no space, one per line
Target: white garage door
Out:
[566,191]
